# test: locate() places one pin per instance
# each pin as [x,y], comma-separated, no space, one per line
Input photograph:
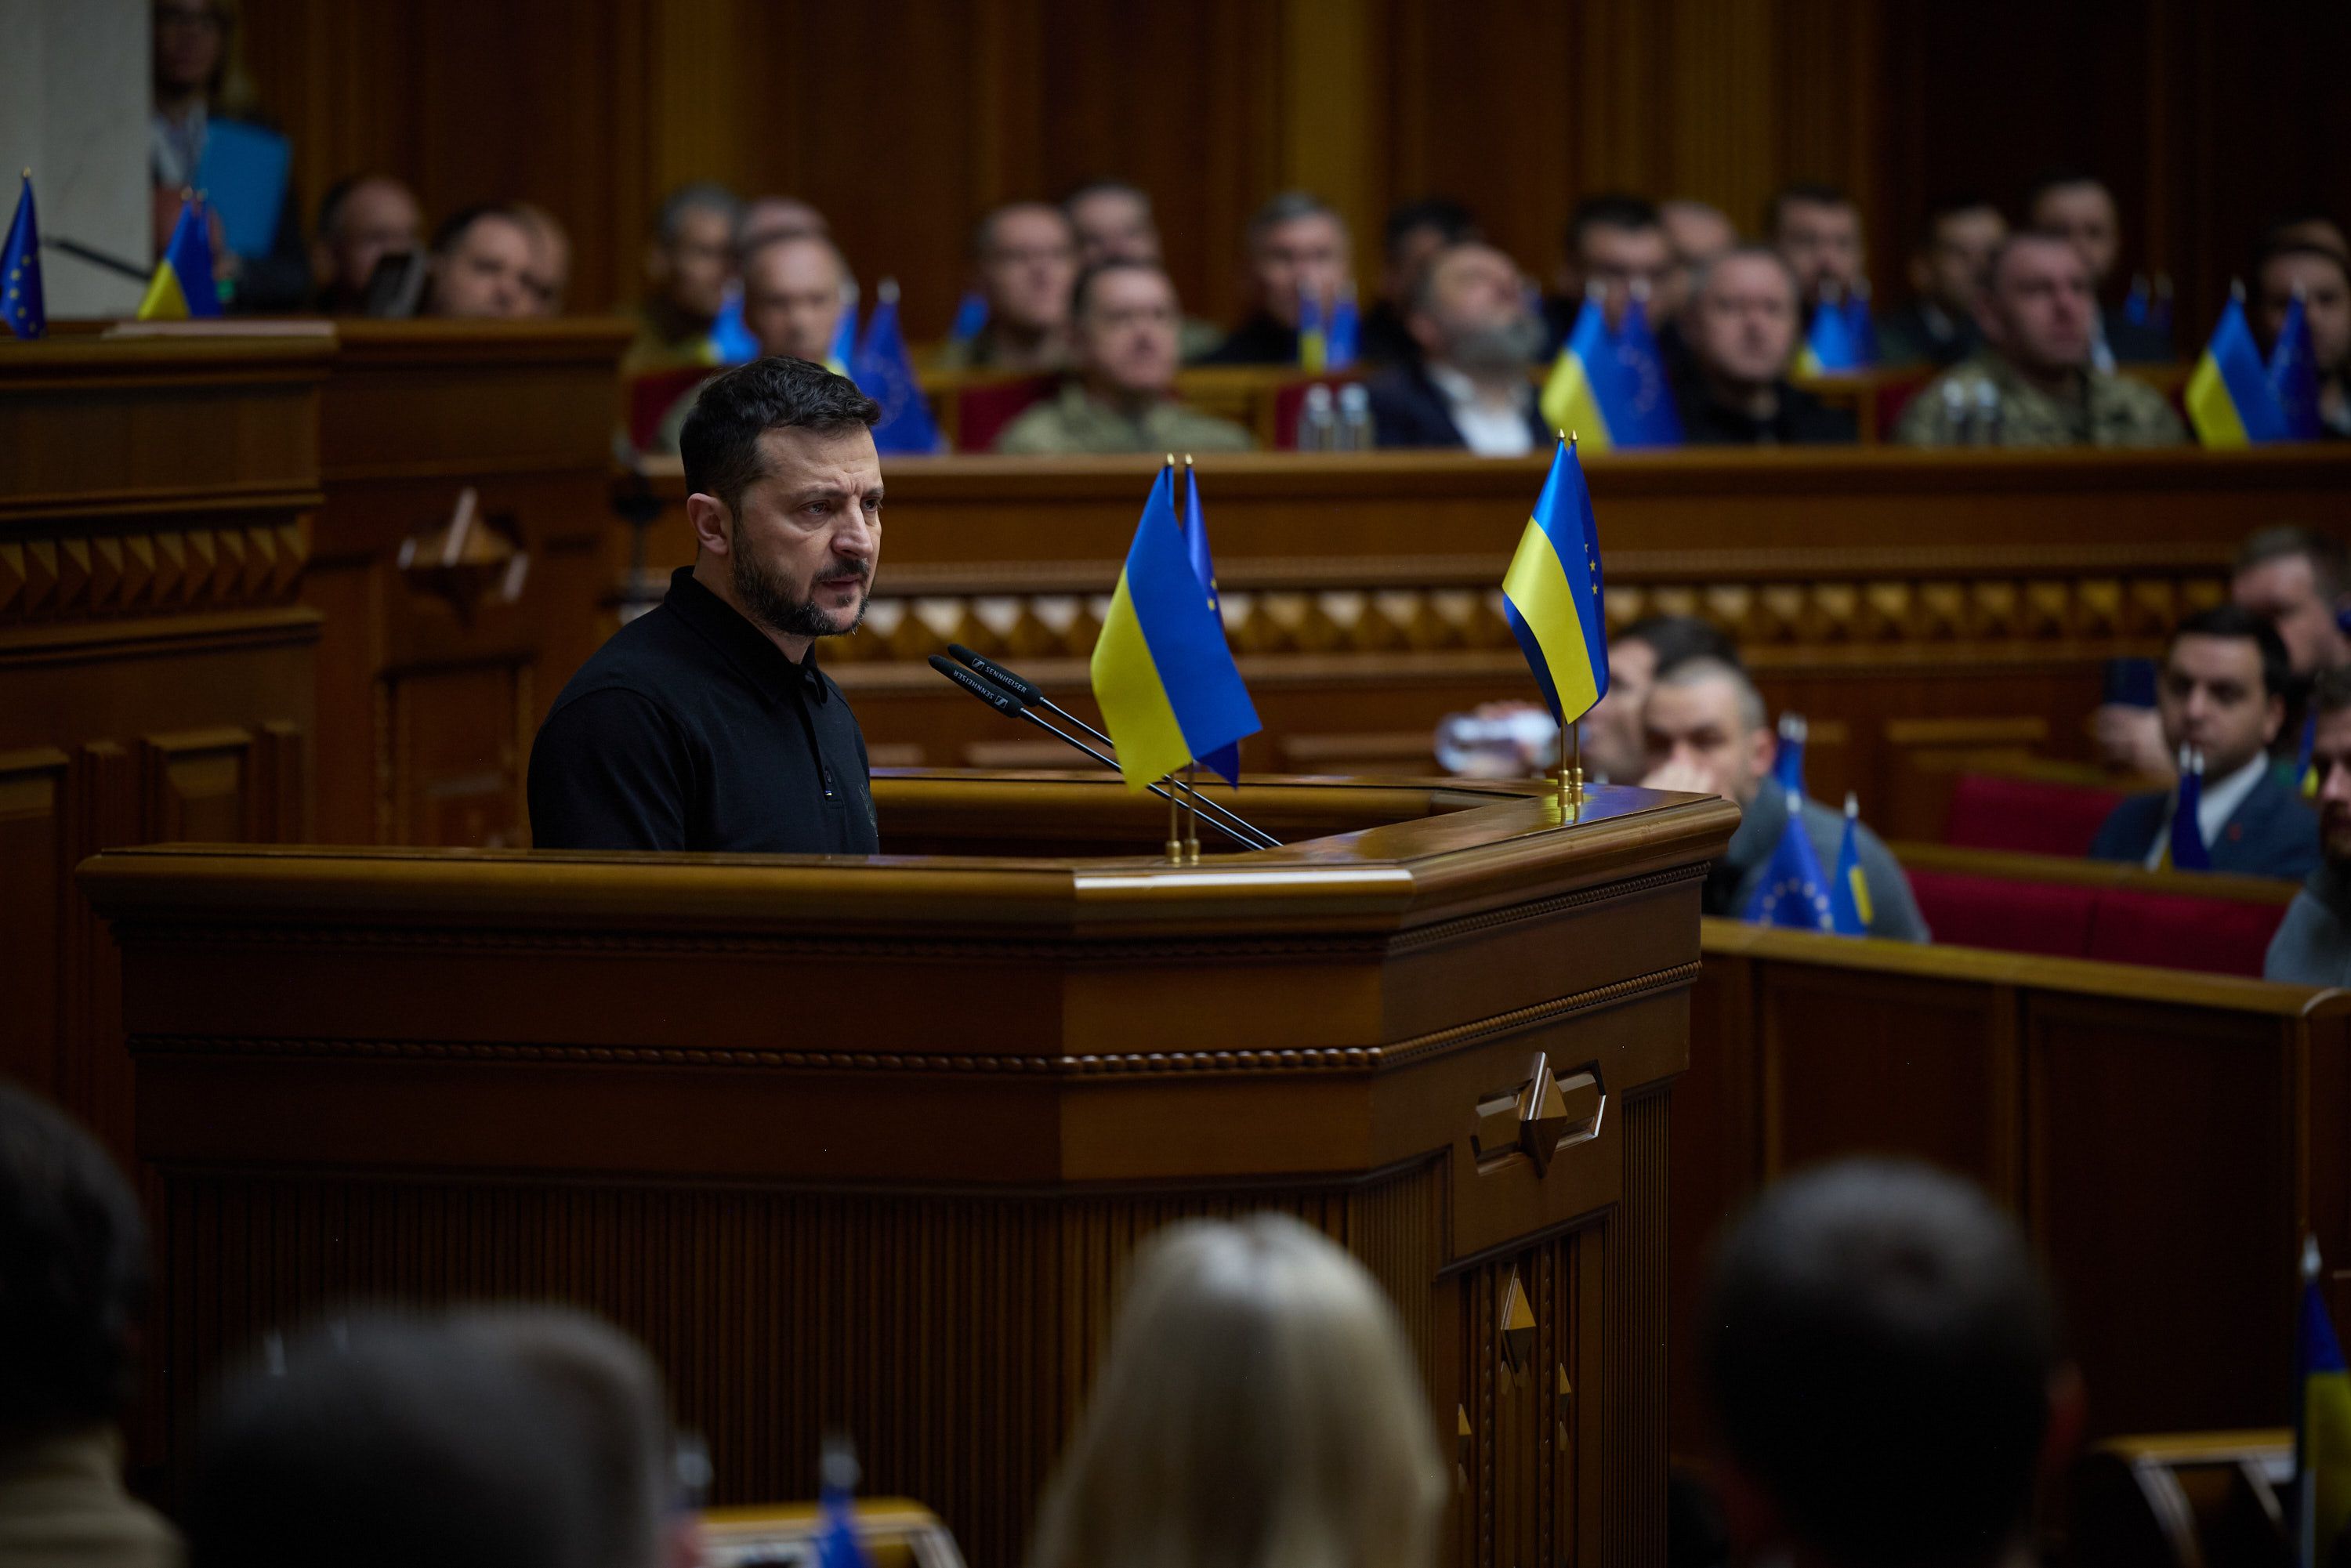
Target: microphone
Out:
[1007,703]
[1029,693]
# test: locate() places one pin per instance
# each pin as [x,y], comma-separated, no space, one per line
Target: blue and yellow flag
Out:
[884,371]
[1313,338]
[2230,399]
[1829,347]
[730,341]
[1849,910]
[1225,761]
[1162,669]
[1344,332]
[183,286]
[1553,597]
[1571,394]
[2321,1445]
[844,334]
[2293,375]
[970,317]
[2305,774]
[23,309]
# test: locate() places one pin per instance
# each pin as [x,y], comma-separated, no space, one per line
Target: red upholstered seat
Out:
[1893,393]
[1990,811]
[2051,919]
[982,412]
[651,396]
[2173,931]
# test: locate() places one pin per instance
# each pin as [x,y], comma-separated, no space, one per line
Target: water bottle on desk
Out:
[1318,424]
[1354,418]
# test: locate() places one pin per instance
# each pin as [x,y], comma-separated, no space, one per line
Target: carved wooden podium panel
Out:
[865,1143]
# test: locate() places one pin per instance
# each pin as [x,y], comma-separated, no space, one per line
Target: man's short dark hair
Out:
[331,205]
[2234,621]
[720,443]
[1107,186]
[453,228]
[1288,207]
[2009,245]
[983,233]
[1951,205]
[1879,1348]
[1678,639]
[73,1273]
[1610,210]
[1082,289]
[1800,193]
[703,196]
[2057,178]
[2280,249]
[382,1444]
[2330,563]
[1454,222]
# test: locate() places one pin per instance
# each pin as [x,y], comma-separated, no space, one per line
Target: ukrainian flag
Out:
[2230,398]
[1571,396]
[1313,338]
[2323,1436]
[1552,595]
[844,350]
[1161,670]
[1849,910]
[1829,348]
[183,285]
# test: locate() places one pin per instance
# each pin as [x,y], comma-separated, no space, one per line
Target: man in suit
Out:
[2222,693]
[1816,229]
[1297,245]
[1741,328]
[1470,388]
[1616,247]
[1024,261]
[2076,205]
[1936,326]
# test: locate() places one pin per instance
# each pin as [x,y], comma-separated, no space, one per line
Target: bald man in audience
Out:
[1113,221]
[2033,383]
[1296,246]
[480,267]
[1122,398]
[689,262]
[2078,205]
[1937,325]
[794,290]
[1708,732]
[1740,331]
[2312,945]
[2321,277]
[1024,262]
[362,220]
[1468,387]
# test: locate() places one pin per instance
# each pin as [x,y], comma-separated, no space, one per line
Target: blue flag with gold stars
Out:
[1795,891]
[22,308]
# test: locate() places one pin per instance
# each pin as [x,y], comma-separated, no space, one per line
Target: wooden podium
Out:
[864,1144]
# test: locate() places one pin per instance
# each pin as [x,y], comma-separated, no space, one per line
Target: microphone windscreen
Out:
[989,669]
[1002,702]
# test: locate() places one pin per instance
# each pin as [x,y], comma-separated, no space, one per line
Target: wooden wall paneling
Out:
[36,835]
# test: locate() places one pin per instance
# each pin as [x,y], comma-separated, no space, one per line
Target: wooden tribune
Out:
[865,1144]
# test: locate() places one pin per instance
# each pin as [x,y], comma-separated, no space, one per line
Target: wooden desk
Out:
[865,1144]
[2167,1139]
[155,671]
[433,681]
[1918,606]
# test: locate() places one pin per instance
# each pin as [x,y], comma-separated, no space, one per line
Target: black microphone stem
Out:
[1067,738]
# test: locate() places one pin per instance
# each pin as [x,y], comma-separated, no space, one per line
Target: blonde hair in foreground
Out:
[1258,1410]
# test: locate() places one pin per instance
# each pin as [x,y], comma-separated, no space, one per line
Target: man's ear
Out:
[714,525]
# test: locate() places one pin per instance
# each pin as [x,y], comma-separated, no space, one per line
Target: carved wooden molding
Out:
[85,576]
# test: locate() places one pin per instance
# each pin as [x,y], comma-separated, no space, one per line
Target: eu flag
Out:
[1225,761]
[1793,892]
[2322,1439]
[1849,911]
[1162,669]
[1345,330]
[2230,398]
[1638,401]
[884,371]
[730,341]
[1553,597]
[2293,375]
[23,311]
[183,285]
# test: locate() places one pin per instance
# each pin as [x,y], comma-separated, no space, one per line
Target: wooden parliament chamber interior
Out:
[864,1143]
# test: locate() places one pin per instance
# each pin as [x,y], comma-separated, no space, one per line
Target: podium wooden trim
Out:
[864,1143]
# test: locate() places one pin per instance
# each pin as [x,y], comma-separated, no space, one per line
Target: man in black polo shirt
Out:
[705,723]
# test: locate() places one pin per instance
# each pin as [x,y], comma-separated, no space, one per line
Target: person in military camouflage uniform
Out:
[2032,383]
[1122,398]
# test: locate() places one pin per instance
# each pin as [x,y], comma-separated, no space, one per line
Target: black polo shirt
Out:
[690,730]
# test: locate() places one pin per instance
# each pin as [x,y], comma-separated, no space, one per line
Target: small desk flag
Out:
[1554,596]
[1849,911]
[1162,669]
[844,350]
[1795,891]
[1313,338]
[2322,1439]
[884,371]
[970,317]
[2293,375]
[1571,394]
[1829,347]
[730,341]
[183,286]
[1638,400]
[1225,761]
[1343,332]
[2230,399]
[1787,762]
[23,309]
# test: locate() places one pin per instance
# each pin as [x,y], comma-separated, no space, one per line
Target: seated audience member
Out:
[2296,579]
[73,1283]
[1741,328]
[205,132]
[1615,747]
[794,290]
[1259,1405]
[689,261]
[2032,382]
[2078,207]
[765,218]
[362,220]
[2307,226]
[2323,279]
[1122,397]
[1707,732]
[547,280]
[1414,232]
[378,1443]
[2221,692]
[1295,243]
[1698,231]
[1615,247]
[1114,222]
[1024,259]
[2313,946]
[1936,326]
[610,1394]
[480,260]
[1880,1358]
[1468,387]
[1816,229]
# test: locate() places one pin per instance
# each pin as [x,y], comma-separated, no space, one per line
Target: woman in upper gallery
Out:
[1258,1410]
[205,136]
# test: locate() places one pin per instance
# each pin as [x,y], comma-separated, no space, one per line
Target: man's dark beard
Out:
[767,600]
